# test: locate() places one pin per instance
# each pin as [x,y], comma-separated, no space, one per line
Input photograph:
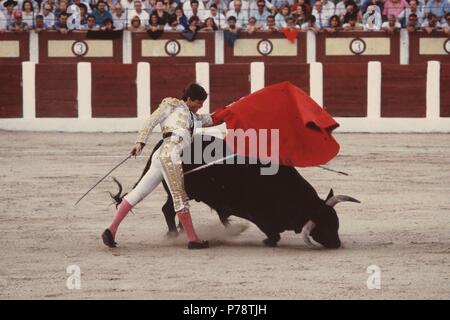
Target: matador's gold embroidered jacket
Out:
[174,116]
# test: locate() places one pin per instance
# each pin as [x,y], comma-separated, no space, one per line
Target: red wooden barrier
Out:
[269,47]
[444,89]
[114,92]
[345,89]
[76,47]
[168,80]
[403,90]
[11,91]
[23,40]
[56,90]
[228,83]
[358,47]
[297,74]
[169,48]
[435,46]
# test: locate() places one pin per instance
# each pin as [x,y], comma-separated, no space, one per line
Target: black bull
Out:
[275,203]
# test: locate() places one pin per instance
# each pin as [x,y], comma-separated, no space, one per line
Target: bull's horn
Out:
[307,228]
[340,198]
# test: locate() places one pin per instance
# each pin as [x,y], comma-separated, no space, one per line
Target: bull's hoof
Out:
[270,242]
[172,234]
[108,239]
[198,245]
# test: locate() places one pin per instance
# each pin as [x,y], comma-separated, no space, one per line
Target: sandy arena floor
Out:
[402,226]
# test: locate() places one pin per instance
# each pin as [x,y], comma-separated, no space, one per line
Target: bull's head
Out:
[324,229]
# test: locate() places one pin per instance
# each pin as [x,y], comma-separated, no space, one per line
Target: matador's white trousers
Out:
[167,165]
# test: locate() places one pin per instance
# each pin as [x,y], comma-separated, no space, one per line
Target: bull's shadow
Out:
[274,203]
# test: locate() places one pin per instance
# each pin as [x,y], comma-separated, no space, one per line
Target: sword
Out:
[233,155]
[109,172]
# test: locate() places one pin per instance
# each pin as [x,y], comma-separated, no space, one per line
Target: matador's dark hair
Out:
[195,92]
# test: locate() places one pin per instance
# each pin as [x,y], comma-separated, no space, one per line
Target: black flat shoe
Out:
[198,245]
[108,239]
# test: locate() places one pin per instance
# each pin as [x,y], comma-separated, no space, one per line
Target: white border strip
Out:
[374,89]
[316,82]
[433,89]
[143,89]
[257,76]
[84,83]
[28,90]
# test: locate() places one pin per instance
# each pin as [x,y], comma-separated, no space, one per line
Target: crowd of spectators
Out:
[230,15]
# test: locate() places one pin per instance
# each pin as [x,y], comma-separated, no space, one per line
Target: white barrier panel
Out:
[85,123]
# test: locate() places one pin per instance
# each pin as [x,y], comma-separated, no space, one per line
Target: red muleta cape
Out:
[304,127]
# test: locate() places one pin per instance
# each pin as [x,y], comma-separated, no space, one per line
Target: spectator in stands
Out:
[446,24]
[221,6]
[253,26]
[9,12]
[335,24]
[49,17]
[300,15]
[280,3]
[18,25]
[261,13]
[119,17]
[311,25]
[431,23]
[173,25]
[187,7]
[195,11]
[240,15]
[306,6]
[394,7]
[372,19]
[322,17]
[270,25]
[328,7]
[162,15]
[219,18]
[181,18]
[28,15]
[438,7]
[91,24]
[378,3]
[49,2]
[391,25]
[245,5]
[351,9]
[108,25]
[170,6]
[340,8]
[138,11]
[413,9]
[83,13]
[280,18]
[39,24]
[353,24]
[3,24]
[61,23]
[135,25]
[100,14]
[232,26]
[154,23]
[128,6]
[291,25]
[209,25]
[60,8]
[413,23]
